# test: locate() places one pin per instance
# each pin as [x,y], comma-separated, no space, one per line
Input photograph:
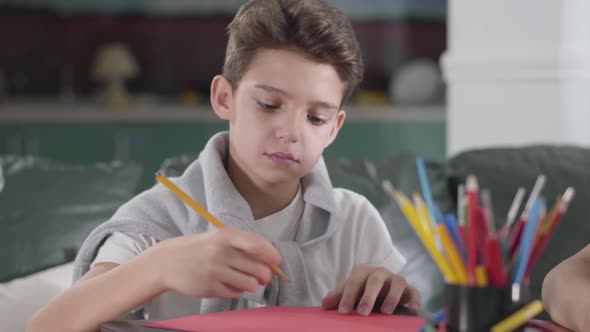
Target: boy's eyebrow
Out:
[324,104]
[269,88]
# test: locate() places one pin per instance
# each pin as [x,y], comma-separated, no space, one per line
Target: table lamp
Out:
[114,64]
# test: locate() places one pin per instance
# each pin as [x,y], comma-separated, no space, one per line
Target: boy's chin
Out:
[279,179]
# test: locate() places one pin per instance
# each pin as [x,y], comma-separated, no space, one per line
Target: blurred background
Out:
[85,81]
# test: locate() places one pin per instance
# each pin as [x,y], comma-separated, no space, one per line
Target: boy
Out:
[566,292]
[289,66]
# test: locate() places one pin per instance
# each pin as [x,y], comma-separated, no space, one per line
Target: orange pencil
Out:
[203,212]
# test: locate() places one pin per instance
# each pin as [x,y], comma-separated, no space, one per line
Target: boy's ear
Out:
[221,95]
[340,117]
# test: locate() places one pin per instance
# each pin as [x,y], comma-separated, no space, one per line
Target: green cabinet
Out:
[93,137]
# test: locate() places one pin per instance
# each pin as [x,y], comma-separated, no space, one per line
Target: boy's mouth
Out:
[282,158]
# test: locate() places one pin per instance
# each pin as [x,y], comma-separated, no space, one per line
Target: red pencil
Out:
[483,234]
[472,189]
[495,263]
[566,199]
[514,239]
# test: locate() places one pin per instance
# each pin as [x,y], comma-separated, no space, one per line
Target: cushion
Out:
[47,208]
[503,170]
[23,297]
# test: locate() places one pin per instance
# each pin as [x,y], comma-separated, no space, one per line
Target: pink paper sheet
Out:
[290,319]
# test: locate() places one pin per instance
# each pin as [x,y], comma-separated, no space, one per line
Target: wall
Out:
[517,72]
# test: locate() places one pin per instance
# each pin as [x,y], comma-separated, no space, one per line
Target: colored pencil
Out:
[472,189]
[550,226]
[519,318]
[528,237]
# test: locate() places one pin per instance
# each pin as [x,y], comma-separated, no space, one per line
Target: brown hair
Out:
[313,27]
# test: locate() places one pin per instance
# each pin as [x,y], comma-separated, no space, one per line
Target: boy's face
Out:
[283,114]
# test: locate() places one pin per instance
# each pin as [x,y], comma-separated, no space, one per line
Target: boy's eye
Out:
[315,120]
[267,107]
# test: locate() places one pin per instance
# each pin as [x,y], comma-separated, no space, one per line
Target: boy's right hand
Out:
[223,263]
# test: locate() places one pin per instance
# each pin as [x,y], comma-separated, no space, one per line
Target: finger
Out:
[374,285]
[225,291]
[238,280]
[332,299]
[397,286]
[242,262]
[411,296]
[352,289]
[255,245]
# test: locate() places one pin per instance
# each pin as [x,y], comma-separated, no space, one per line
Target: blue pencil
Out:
[528,238]
[426,191]
[436,320]
[439,316]
[451,223]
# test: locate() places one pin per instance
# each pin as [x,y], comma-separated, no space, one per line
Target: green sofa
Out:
[48,208]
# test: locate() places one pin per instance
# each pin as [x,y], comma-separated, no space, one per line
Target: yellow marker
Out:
[203,212]
[481,276]
[519,318]
[452,254]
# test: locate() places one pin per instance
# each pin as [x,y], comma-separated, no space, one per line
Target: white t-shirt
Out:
[363,238]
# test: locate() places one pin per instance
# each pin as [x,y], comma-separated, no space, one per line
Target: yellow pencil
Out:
[404,205]
[519,318]
[424,231]
[410,213]
[424,234]
[430,241]
[423,214]
[481,276]
[203,212]
[452,254]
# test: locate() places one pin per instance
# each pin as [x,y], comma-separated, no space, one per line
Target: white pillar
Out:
[517,72]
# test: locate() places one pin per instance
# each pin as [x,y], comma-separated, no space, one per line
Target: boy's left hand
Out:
[370,286]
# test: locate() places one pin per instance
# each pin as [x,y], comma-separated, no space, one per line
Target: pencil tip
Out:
[567,198]
[387,186]
[472,184]
[417,198]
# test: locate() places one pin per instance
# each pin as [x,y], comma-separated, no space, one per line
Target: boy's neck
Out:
[264,200]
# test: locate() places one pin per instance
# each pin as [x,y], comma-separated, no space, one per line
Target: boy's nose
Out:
[287,136]
[290,129]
